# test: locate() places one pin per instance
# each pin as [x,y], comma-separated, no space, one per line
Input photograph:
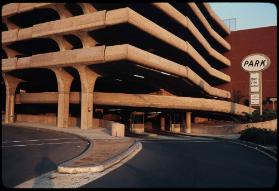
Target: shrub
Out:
[256,117]
[259,136]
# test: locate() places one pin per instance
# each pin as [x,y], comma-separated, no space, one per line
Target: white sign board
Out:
[255,62]
[255,99]
[254,82]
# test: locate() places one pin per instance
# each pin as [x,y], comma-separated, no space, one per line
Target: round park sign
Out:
[255,62]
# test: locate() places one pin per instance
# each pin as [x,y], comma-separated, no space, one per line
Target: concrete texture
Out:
[113,128]
[213,33]
[102,54]
[142,100]
[187,23]
[11,84]
[104,154]
[216,18]
[93,54]
[103,19]
[269,125]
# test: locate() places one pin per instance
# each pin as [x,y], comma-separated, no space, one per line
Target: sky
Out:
[248,15]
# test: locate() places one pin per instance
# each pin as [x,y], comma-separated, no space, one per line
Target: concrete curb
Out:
[134,149]
[269,153]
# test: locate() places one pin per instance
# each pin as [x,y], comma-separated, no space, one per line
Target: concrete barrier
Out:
[115,129]
[232,128]
[270,125]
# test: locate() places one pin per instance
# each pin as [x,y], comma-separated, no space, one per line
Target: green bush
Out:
[256,117]
[259,136]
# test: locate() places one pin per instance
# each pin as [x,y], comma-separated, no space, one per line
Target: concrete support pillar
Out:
[9,24]
[137,122]
[10,52]
[87,80]
[86,40]
[162,123]
[11,84]
[62,42]
[188,122]
[62,10]
[64,81]
[87,8]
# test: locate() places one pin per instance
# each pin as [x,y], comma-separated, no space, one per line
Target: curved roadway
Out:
[192,163]
[28,153]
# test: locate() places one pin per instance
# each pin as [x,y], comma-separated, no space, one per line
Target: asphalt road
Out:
[192,164]
[27,153]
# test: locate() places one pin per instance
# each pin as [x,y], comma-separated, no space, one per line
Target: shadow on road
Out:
[45,163]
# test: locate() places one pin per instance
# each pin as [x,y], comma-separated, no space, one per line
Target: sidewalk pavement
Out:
[103,152]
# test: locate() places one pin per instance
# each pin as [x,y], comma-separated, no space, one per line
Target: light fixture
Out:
[165,73]
[138,76]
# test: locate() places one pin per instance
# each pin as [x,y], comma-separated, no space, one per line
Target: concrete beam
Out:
[147,59]
[87,80]
[64,81]
[187,23]
[101,54]
[216,18]
[137,20]
[57,59]
[142,100]
[9,37]
[205,23]
[124,15]
[24,7]
[11,84]
[9,9]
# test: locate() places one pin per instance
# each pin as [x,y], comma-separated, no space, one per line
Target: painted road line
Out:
[179,141]
[35,140]
[43,144]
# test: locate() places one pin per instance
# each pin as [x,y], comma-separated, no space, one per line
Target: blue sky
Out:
[248,15]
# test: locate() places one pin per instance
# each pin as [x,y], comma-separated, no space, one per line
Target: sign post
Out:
[255,64]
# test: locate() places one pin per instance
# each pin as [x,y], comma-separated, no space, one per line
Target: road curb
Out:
[132,150]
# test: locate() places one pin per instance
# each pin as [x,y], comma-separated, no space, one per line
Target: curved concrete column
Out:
[11,84]
[61,10]
[9,24]
[87,80]
[86,40]
[10,52]
[64,81]
[62,42]
[87,8]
